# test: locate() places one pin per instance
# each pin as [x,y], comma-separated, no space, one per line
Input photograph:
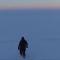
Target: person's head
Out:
[22,37]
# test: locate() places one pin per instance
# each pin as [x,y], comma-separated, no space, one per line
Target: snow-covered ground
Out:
[41,29]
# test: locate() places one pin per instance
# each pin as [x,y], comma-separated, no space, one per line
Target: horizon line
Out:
[30,6]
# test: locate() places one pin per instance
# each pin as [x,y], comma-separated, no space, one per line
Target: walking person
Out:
[22,47]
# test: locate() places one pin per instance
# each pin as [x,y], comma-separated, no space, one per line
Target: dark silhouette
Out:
[22,46]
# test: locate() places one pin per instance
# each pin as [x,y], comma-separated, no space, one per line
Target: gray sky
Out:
[29,3]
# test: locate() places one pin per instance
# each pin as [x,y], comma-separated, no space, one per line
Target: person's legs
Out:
[21,52]
[24,53]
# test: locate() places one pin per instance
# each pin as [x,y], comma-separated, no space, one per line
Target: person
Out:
[22,46]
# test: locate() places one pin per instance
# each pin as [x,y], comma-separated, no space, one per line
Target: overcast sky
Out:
[29,3]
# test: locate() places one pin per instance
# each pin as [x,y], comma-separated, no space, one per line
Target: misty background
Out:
[41,28]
